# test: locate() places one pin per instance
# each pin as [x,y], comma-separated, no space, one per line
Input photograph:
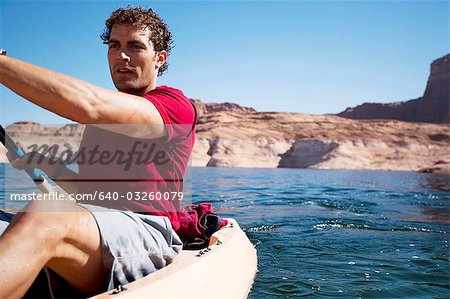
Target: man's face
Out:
[133,63]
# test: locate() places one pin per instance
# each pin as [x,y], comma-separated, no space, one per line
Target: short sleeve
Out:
[176,110]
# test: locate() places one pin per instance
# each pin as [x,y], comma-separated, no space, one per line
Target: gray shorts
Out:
[133,245]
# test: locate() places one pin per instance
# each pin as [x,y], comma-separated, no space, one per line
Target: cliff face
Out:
[207,108]
[231,139]
[438,81]
[432,107]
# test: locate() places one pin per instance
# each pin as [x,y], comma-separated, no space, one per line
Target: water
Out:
[347,234]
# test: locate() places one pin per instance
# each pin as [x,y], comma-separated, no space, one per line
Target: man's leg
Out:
[67,242]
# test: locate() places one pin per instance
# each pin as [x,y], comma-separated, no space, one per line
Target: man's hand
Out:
[30,159]
[55,169]
[36,160]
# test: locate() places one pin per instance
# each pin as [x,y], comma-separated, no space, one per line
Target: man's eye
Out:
[112,46]
[136,47]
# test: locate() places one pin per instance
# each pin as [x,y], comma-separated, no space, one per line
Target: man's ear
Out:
[161,58]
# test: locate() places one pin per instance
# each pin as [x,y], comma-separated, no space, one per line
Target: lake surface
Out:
[346,234]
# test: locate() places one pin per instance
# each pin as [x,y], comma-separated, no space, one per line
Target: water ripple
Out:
[337,224]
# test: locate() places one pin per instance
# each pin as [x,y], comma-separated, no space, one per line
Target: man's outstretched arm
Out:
[75,99]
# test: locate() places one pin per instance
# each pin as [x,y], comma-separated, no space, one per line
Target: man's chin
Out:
[131,86]
[131,89]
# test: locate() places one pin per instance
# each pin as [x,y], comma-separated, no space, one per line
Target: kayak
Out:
[226,269]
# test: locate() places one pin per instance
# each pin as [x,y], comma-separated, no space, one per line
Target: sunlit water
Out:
[347,234]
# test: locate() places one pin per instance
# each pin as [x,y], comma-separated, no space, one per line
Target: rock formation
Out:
[257,139]
[432,107]
[208,108]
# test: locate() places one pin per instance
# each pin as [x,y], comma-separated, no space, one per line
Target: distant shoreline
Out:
[445,171]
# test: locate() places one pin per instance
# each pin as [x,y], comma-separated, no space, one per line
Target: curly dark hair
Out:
[160,35]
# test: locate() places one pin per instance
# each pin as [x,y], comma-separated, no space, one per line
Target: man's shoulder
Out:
[164,89]
[173,105]
[170,96]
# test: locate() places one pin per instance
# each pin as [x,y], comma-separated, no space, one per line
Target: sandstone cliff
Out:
[208,108]
[257,139]
[432,107]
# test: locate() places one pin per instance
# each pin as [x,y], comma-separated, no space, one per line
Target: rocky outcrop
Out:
[276,139]
[307,153]
[439,79]
[208,108]
[229,152]
[432,107]
[439,167]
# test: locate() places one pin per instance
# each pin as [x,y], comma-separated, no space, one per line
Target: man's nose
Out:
[124,55]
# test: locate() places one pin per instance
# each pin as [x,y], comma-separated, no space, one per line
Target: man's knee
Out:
[44,228]
[60,234]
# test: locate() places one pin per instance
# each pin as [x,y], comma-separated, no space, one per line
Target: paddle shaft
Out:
[17,152]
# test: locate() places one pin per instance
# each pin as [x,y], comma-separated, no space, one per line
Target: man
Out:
[94,250]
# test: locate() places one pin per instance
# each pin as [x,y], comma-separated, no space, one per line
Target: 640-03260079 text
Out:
[99,195]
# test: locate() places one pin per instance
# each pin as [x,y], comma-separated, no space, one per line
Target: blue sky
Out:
[296,56]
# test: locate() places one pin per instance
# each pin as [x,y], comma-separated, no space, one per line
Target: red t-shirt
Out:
[130,181]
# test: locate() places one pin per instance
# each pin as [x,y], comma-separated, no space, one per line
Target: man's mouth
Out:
[124,70]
